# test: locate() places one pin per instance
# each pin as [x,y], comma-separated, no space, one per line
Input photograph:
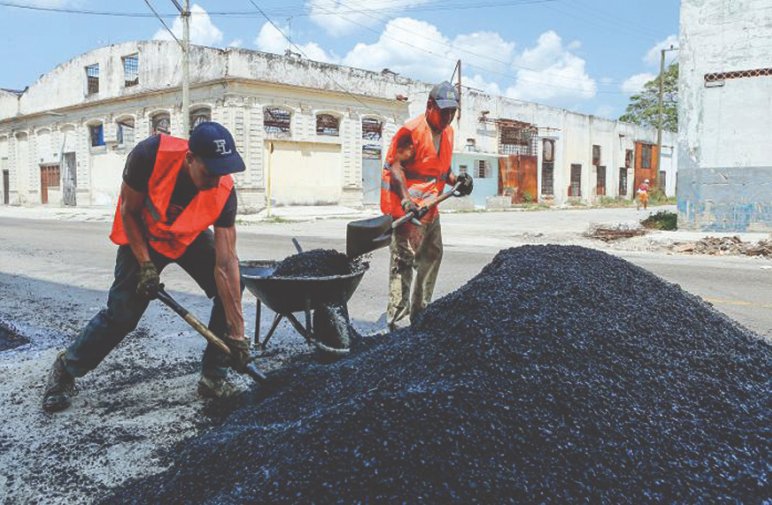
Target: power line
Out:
[163,23]
[449,58]
[299,50]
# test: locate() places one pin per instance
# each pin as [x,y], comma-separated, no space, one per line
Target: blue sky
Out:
[584,55]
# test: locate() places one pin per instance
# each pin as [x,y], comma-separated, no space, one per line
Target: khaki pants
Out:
[419,249]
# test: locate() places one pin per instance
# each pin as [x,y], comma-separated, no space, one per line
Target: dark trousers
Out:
[125,308]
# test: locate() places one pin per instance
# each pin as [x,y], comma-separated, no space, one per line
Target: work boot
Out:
[216,387]
[60,387]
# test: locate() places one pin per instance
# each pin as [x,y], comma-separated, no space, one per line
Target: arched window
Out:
[125,132]
[276,122]
[372,130]
[160,122]
[200,115]
[327,124]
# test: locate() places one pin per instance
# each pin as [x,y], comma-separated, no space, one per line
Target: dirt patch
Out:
[315,263]
[10,337]
[557,374]
[609,233]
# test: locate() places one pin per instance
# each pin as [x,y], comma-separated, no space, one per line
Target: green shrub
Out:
[662,220]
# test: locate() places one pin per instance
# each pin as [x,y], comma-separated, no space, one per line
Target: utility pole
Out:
[185,15]
[660,105]
[186,70]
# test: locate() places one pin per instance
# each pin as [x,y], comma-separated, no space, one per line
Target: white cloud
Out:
[338,19]
[653,55]
[430,55]
[202,31]
[416,61]
[634,83]
[478,82]
[236,43]
[550,71]
[271,40]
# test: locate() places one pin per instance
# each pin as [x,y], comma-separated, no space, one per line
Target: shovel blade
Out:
[367,235]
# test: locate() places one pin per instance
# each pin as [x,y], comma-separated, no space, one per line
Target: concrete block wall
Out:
[725,98]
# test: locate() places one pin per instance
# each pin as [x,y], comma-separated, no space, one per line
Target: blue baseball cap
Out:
[214,144]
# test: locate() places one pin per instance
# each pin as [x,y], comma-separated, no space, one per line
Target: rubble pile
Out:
[10,337]
[720,246]
[315,263]
[609,233]
[557,374]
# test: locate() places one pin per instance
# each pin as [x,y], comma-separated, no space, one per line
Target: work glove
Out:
[149,281]
[239,353]
[465,184]
[409,206]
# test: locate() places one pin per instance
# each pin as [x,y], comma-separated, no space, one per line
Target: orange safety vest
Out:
[425,175]
[173,239]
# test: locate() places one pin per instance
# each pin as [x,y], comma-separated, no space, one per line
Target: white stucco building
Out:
[310,133]
[725,125]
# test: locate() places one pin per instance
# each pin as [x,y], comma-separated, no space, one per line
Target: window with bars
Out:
[276,122]
[596,155]
[483,169]
[161,123]
[516,138]
[97,134]
[327,124]
[92,79]
[200,115]
[548,167]
[130,70]
[628,158]
[600,182]
[622,181]
[372,129]
[646,155]
[575,189]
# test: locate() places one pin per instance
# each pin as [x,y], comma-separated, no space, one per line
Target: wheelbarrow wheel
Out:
[332,330]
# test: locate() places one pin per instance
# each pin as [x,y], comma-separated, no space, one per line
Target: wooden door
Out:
[49,178]
[600,183]
[518,178]
[6,187]
[646,164]
[69,180]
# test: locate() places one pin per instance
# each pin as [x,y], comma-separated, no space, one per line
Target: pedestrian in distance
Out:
[643,195]
[173,191]
[417,168]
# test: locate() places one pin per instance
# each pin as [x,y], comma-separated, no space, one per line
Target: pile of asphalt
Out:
[10,337]
[314,263]
[557,374]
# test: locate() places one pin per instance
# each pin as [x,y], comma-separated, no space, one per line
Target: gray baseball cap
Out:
[445,95]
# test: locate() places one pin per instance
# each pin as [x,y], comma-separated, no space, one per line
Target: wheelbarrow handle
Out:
[167,299]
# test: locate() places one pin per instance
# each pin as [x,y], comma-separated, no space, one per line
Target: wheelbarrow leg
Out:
[276,321]
[309,328]
[257,323]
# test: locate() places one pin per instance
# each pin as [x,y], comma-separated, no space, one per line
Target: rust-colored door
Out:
[518,178]
[49,178]
[646,164]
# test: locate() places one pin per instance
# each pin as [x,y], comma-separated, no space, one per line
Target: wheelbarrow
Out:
[286,296]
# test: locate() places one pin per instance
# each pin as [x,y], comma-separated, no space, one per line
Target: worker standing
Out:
[643,195]
[173,190]
[418,165]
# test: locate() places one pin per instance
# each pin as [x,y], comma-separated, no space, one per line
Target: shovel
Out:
[366,235]
[167,299]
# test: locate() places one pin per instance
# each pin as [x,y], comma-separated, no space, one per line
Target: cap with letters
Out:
[214,144]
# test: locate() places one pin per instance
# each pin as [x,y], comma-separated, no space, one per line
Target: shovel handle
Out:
[167,299]
[192,320]
[412,215]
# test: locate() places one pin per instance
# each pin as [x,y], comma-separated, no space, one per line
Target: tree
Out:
[643,107]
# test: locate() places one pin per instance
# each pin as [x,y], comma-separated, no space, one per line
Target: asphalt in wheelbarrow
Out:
[556,375]
[315,263]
